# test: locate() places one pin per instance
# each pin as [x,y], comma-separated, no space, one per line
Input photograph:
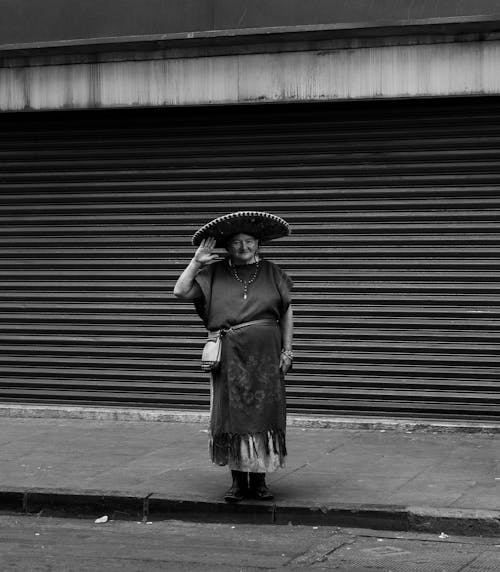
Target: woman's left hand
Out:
[285,364]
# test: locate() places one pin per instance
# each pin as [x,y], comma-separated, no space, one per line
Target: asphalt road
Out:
[31,544]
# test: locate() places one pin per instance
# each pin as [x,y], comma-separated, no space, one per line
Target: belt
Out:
[224,331]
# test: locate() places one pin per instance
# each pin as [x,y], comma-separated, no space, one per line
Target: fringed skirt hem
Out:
[253,452]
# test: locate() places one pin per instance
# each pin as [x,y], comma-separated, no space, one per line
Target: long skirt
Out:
[248,403]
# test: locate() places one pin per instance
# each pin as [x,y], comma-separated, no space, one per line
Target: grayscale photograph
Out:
[249,285]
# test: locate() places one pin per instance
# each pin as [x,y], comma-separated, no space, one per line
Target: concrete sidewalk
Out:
[396,478]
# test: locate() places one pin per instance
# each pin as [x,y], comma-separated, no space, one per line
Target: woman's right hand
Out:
[205,253]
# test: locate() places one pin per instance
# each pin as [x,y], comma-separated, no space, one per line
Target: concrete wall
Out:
[419,67]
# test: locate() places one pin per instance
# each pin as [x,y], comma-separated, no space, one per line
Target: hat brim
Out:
[264,226]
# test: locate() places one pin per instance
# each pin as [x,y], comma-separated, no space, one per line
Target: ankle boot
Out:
[239,488]
[258,489]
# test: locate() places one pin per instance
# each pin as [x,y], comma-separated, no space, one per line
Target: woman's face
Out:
[242,248]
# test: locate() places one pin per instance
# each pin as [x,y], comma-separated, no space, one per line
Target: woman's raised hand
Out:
[205,253]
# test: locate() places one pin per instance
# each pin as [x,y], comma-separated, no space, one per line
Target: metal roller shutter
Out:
[395,212]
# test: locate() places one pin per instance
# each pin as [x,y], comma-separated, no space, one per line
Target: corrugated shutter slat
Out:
[395,209]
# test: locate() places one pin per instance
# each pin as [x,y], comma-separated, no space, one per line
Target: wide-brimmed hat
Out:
[264,226]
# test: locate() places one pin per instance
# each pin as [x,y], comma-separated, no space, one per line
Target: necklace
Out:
[246,283]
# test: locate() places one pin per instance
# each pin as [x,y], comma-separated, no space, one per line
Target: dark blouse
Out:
[223,304]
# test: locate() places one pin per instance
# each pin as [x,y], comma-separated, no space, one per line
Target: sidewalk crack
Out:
[466,566]
[411,479]
[290,472]
[320,552]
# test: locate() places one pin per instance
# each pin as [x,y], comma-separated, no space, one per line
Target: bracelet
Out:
[288,354]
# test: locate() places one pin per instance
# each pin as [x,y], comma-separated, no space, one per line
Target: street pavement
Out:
[398,479]
[30,544]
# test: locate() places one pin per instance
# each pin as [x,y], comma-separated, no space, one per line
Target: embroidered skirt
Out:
[248,410]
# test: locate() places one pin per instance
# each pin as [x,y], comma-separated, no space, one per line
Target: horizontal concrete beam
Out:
[394,71]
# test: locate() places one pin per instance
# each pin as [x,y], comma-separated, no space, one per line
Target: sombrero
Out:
[264,226]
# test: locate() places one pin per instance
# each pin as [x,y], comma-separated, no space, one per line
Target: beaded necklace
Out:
[246,283]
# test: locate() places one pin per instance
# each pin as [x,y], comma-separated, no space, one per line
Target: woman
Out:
[246,300]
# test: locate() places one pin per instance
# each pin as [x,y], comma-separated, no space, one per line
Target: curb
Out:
[467,522]
[22,411]
[129,506]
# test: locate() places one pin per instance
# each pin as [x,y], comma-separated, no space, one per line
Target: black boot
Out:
[258,488]
[239,488]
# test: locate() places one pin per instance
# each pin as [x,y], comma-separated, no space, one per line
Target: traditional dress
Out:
[248,407]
